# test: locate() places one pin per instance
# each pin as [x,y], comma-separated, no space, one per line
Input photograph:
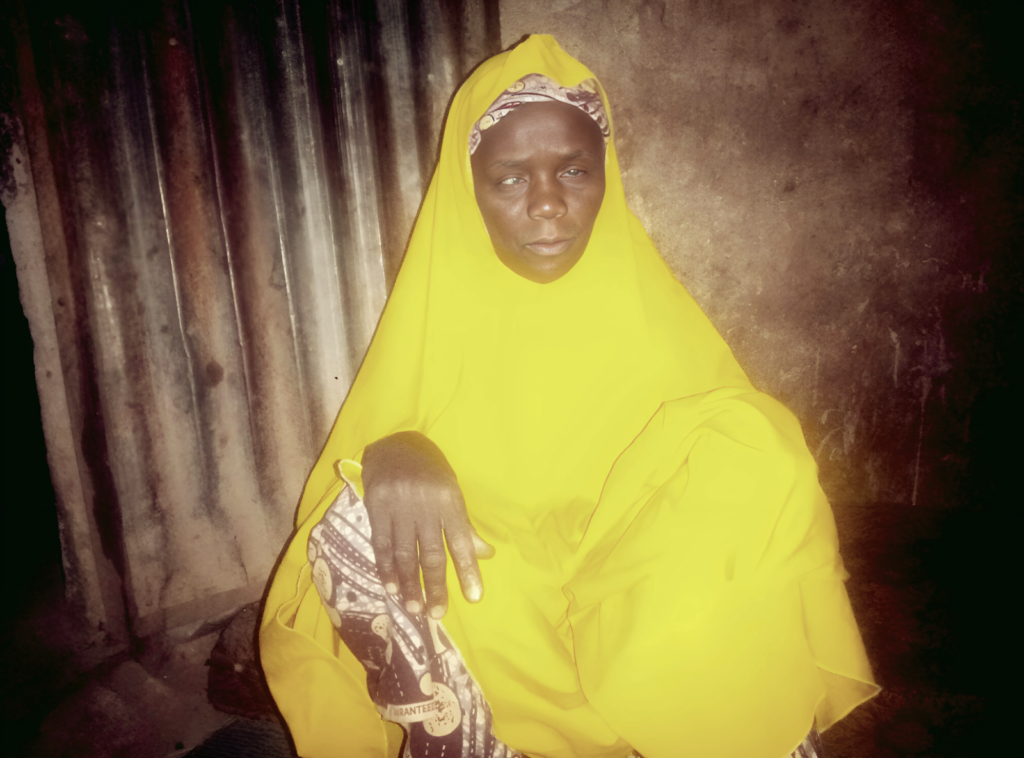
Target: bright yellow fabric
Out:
[667,573]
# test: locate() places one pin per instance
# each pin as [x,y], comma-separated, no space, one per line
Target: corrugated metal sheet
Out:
[220,193]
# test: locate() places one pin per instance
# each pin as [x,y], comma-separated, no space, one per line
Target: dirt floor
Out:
[63,695]
[913,587]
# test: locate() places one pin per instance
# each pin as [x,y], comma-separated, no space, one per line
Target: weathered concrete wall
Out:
[831,181]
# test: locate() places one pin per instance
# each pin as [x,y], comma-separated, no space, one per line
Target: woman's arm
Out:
[415,504]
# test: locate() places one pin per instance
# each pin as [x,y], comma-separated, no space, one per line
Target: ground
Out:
[915,576]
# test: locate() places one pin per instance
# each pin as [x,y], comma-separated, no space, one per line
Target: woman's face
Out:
[539,180]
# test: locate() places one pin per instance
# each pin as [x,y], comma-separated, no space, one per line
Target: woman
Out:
[665,574]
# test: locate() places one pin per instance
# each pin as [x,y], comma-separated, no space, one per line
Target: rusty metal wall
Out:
[209,202]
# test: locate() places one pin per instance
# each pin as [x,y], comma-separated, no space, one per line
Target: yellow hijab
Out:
[543,396]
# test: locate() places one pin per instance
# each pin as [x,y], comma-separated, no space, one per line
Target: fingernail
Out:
[437,612]
[391,588]
[474,592]
[412,606]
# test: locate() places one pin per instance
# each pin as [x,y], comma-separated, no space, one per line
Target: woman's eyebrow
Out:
[517,162]
[510,163]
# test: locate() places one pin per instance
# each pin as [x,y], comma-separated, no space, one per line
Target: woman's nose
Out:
[546,200]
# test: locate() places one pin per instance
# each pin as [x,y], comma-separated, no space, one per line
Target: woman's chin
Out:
[541,269]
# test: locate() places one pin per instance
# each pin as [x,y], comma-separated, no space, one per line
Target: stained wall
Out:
[837,184]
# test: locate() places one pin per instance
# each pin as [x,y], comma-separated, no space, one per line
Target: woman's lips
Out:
[548,247]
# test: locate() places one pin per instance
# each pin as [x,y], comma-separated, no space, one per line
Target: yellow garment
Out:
[667,574]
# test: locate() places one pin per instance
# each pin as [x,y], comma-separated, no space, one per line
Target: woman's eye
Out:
[574,173]
[511,180]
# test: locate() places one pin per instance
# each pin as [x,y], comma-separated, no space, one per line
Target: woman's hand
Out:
[413,497]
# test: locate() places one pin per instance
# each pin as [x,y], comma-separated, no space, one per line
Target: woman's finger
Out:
[408,564]
[460,534]
[383,552]
[433,561]
[484,550]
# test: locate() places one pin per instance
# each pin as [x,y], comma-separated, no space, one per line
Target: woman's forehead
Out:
[553,129]
[538,89]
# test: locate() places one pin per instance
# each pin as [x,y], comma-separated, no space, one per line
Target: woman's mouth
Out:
[550,247]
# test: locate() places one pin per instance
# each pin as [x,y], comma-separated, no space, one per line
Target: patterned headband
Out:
[537,88]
